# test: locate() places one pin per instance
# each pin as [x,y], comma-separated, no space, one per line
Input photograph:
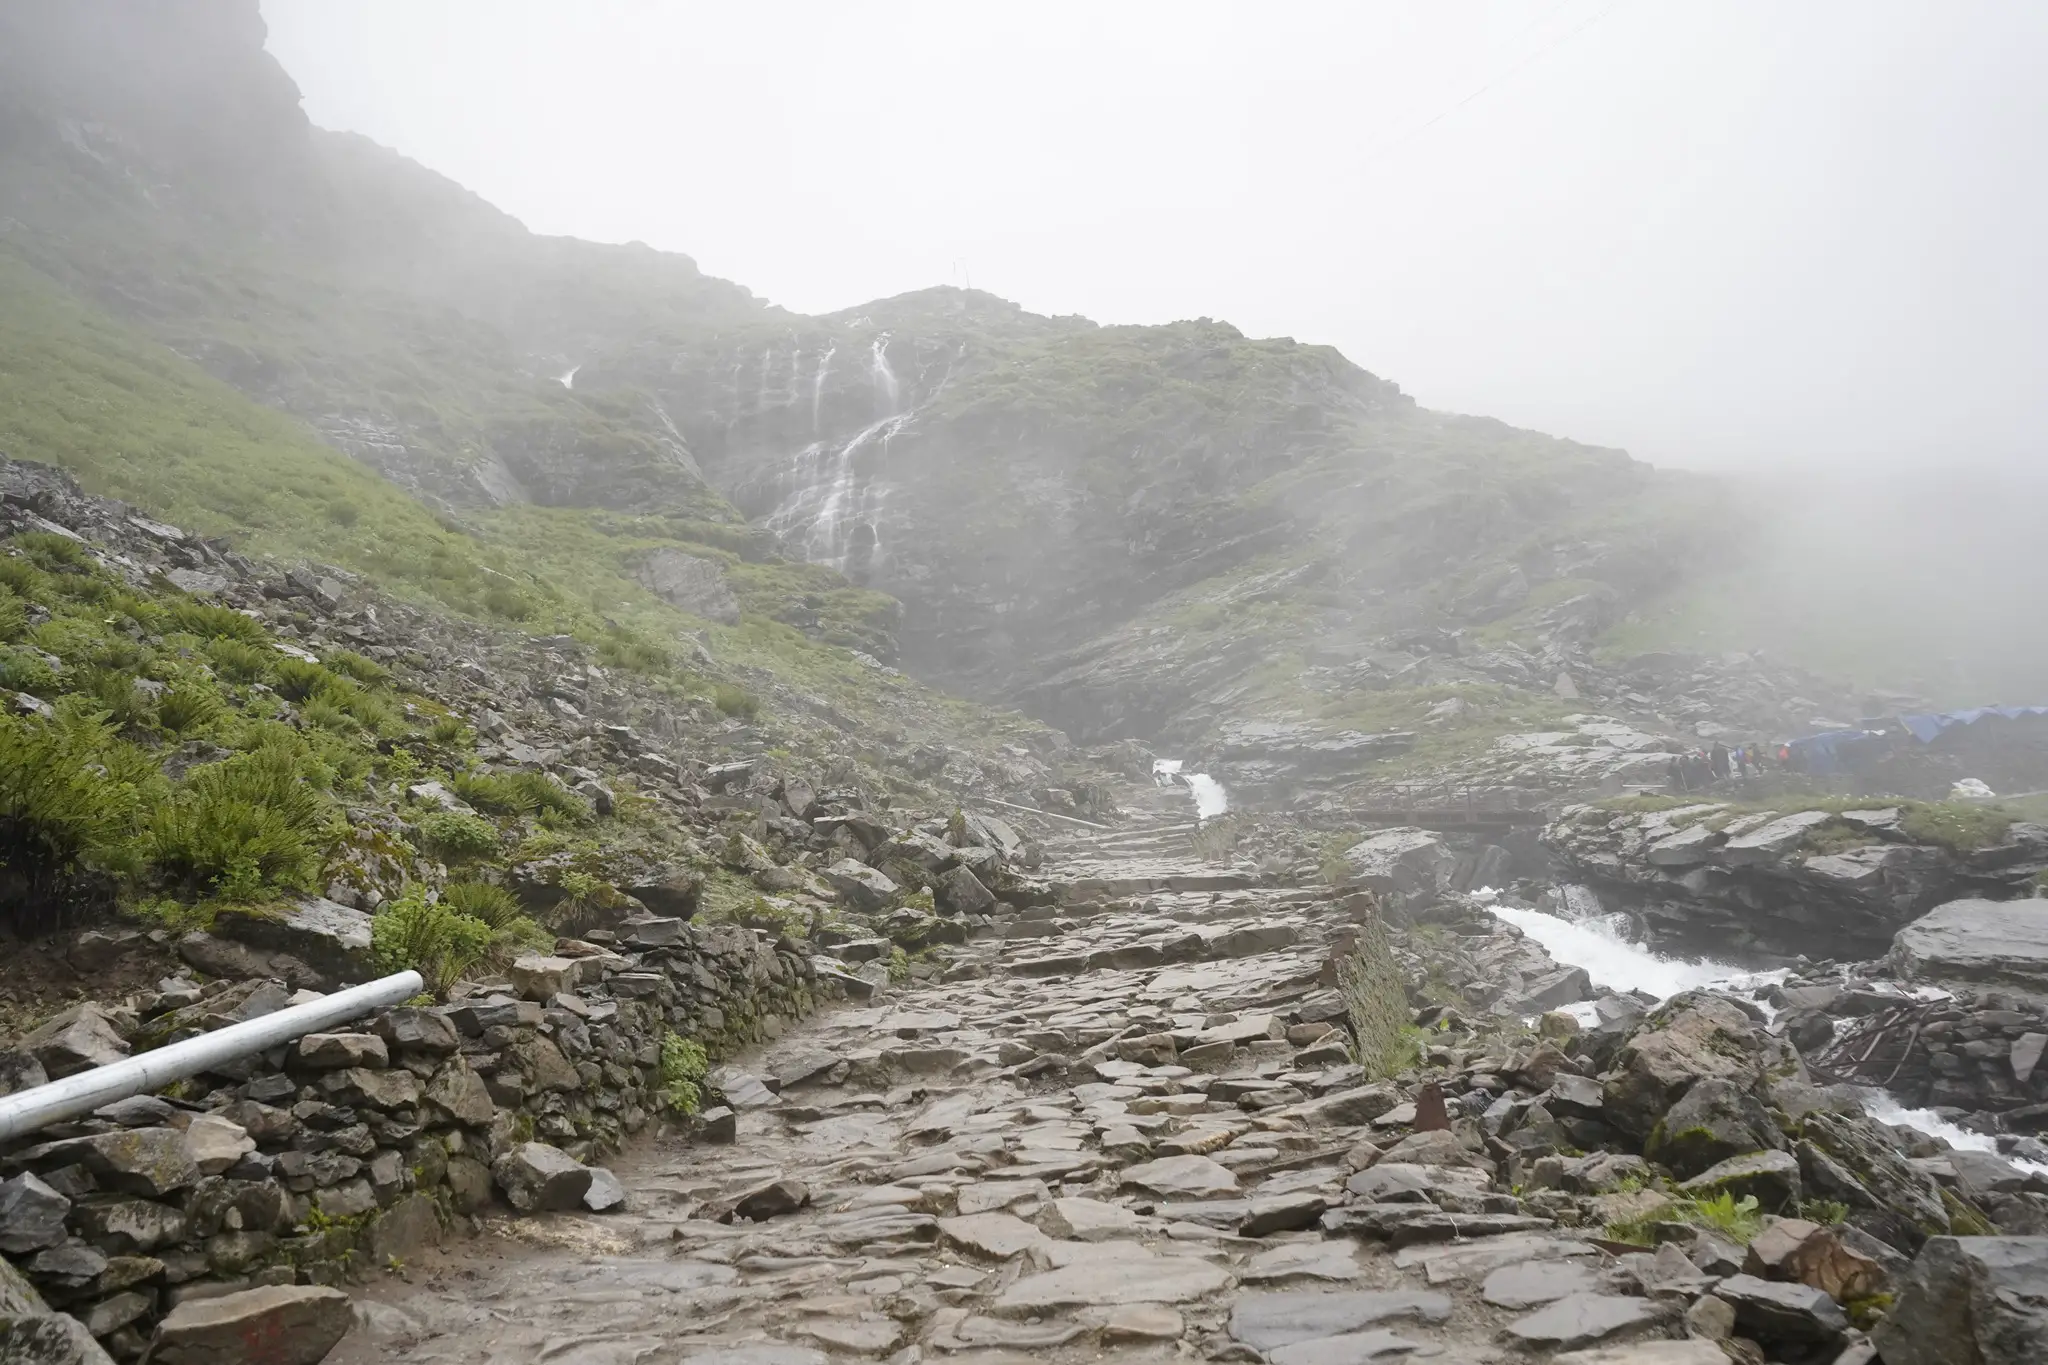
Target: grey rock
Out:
[331,938]
[409,1029]
[960,892]
[1772,1177]
[1714,1121]
[332,1051]
[772,1200]
[1997,942]
[1269,1320]
[1583,1319]
[1970,1301]
[1190,1177]
[1132,1279]
[77,1040]
[276,1325]
[31,1215]
[1770,1313]
[862,887]
[539,1178]
[1351,1348]
[606,1194]
[1533,1283]
[692,583]
[151,1162]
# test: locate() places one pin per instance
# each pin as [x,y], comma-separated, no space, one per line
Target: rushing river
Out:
[1616,964]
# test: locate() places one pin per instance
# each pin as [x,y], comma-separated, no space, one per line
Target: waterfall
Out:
[818,384]
[767,372]
[835,496]
[887,390]
[1210,798]
[567,378]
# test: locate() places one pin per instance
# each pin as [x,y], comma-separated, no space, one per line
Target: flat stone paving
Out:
[1025,1166]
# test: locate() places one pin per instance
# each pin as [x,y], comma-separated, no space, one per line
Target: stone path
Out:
[1128,1129]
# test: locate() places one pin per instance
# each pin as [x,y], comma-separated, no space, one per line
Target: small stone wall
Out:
[325,1159]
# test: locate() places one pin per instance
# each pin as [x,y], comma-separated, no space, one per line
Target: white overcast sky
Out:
[1740,233]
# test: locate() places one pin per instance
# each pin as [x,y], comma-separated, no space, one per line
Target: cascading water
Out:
[1596,943]
[818,384]
[567,378]
[836,499]
[888,393]
[1210,798]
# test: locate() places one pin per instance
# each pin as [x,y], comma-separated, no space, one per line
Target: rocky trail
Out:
[1130,1128]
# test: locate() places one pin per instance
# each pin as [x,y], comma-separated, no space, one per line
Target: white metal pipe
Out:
[27,1110]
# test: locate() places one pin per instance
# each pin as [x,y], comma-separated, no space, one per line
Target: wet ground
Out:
[1114,1140]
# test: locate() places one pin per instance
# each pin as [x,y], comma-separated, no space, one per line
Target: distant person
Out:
[1717,761]
[1675,775]
[1740,758]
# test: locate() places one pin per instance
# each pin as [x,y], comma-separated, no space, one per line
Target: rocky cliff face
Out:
[1131,530]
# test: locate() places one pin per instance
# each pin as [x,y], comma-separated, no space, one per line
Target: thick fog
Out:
[1800,242]
[1734,234]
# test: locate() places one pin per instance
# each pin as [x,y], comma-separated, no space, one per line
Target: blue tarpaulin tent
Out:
[1927,728]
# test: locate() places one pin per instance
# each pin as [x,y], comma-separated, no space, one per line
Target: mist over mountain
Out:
[1151,532]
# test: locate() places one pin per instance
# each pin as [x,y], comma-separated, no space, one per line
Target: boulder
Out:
[960,892]
[216,1144]
[275,1325]
[410,1029]
[332,1051]
[538,1178]
[1401,863]
[1772,1178]
[1712,1122]
[1970,1301]
[329,937]
[77,1040]
[1993,942]
[151,1162]
[861,887]
[695,584]
[31,1215]
[1694,1037]
[1794,1316]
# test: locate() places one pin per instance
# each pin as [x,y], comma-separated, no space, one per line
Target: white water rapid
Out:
[1210,798]
[1616,964]
[567,378]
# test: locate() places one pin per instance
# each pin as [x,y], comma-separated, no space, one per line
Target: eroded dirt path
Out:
[1118,1138]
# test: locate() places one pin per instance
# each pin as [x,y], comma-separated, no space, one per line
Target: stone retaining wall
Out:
[328,1158]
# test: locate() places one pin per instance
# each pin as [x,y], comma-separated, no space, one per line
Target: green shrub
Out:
[435,940]
[492,904]
[585,900]
[188,707]
[22,578]
[51,552]
[448,730]
[13,615]
[72,798]
[456,834]
[240,828]
[298,679]
[736,701]
[1737,1220]
[684,1065]
[633,652]
[114,693]
[343,513]
[364,670]
[520,793]
[24,670]
[210,622]
[325,715]
[239,660]
[502,599]
[513,931]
